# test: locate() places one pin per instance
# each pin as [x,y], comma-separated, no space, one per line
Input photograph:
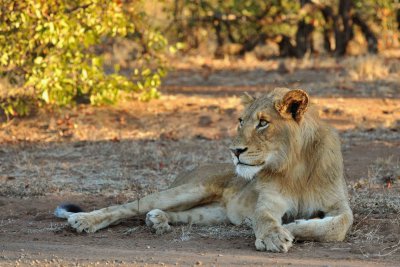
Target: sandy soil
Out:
[98,156]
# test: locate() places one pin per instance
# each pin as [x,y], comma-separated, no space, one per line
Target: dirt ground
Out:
[98,156]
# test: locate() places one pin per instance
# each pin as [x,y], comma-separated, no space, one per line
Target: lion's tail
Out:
[66,209]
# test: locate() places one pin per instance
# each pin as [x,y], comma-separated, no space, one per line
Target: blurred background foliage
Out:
[296,27]
[52,50]
[60,52]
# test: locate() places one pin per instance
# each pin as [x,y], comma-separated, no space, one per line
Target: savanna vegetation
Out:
[76,124]
[52,52]
[293,25]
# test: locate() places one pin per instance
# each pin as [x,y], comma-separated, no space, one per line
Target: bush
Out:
[295,26]
[368,67]
[52,47]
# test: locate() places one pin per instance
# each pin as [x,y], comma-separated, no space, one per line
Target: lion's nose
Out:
[238,151]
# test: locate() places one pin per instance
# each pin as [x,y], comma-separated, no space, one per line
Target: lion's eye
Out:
[240,122]
[262,124]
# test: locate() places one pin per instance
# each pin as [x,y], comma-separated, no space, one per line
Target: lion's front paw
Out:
[84,222]
[278,239]
[158,221]
[295,226]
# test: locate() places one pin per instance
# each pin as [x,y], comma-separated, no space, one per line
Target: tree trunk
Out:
[304,41]
[177,21]
[304,35]
[343,28]
[251,43]
[286,49]
[219,51]
[327,13]
[398,19]
[369,35]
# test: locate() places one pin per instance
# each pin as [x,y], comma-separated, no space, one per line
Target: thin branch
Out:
[77,7]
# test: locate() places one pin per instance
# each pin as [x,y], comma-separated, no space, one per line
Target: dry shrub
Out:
[308,62]
[376,196]
[383,173]
[366,67]
[370,202]
[394,67]
[34,188]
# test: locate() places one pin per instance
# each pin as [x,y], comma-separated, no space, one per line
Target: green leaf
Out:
[45,96]
[51,50]
[38,60]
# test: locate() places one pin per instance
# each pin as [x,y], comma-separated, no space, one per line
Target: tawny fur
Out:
[287,170]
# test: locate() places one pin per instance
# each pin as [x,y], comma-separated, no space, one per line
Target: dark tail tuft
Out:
[66,209]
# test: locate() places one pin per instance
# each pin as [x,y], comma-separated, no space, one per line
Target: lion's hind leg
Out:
[328,229]
[157,220]
[65,210]
[174,198]
[203,215]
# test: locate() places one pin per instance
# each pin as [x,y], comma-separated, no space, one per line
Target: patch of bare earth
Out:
[99,156]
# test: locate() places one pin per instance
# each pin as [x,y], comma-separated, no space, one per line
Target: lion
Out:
[286,180]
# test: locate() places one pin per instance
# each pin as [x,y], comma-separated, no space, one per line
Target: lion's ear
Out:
[293,104]
[247,99]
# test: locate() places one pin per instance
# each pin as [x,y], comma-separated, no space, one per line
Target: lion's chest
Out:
[307,207]
[240,206]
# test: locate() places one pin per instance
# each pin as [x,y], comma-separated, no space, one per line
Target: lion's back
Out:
[205,173]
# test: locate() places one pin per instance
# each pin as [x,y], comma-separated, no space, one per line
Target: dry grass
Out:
[122,153]
[186,232]
[367,198]
[28,189]
[383,173]
[52,228]
[5,222]
[366,67]
[222,232]
[377,211]
[370,202]
[130,168]
[394,67]
[134,230]
[310,63]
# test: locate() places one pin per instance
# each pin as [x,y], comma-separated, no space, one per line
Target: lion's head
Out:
[273,130]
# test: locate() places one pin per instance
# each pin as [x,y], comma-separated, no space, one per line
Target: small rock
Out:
[229,111]
[205,121]
[213,107]
[283,68]
[202,137]
[170,135]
